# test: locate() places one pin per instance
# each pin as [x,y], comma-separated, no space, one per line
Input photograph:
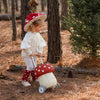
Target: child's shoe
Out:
[26,83]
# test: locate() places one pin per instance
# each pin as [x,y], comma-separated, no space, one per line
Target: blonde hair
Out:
[35,23]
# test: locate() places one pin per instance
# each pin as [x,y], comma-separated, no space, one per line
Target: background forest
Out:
[72,30]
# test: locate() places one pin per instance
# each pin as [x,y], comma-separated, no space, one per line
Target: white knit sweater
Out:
[32,43]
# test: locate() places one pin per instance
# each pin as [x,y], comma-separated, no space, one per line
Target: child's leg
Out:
[29,68]
[25,75]
[32,72]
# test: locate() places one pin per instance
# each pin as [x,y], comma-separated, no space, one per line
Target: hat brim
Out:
[41,17]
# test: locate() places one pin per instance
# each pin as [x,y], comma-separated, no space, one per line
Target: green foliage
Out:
[84,24]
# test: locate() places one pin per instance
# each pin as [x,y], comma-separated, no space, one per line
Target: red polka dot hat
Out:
[33,17]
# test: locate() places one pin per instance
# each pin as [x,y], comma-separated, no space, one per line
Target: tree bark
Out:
[0,6]
[14,20]
[62,70]
[54,38]
[16,5]
[77,70]
[64,12]
[5,6]
[42,5]
[8,17]
[24,12]
[9,5]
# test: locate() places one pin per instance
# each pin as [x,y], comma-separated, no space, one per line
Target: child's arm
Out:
[41,45]
[39,54]
[32,54]
[26,45]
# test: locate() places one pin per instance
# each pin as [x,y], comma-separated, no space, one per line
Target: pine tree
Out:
[42,5]
[5,6]
[83,22]
[54,38]
[0,6]
[14,20]
[64,12]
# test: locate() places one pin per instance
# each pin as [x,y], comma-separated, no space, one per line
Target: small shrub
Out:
[83,23]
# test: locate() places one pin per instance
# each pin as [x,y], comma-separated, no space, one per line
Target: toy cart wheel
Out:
[42,89]
[58,85]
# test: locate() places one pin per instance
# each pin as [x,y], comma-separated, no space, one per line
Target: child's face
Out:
[37,28]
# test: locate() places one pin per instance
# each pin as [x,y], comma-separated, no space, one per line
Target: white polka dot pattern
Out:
[43,69]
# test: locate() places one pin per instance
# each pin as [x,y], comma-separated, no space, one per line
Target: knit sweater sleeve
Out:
[41,44]
[26,44]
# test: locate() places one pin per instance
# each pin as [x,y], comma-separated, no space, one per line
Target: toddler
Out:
[32,44]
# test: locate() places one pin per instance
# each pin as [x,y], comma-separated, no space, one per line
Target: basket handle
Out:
[35,63]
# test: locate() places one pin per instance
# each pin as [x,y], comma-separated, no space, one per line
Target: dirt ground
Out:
[80,87]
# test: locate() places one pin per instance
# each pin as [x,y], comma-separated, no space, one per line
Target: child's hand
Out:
[32,55]
[39,55]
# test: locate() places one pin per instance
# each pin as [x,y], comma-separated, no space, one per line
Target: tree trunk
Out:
[8,17]
[9,5]
[54,38]
[64,12]
[64,71]
[42,5]
[45,3]
[24,12]
[0,6]
[5,6]
[16,5]
[14,20]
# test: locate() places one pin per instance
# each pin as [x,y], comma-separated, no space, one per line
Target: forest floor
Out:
[80,87]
